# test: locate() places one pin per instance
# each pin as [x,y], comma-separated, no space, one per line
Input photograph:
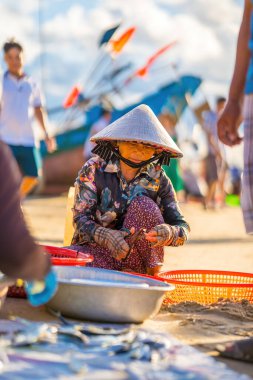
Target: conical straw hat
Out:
[140,125]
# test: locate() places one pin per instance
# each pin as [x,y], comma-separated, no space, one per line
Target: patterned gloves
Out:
[112,240]
[168,235]
[164,235]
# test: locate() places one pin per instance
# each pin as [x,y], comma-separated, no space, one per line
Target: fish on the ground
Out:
[134,355]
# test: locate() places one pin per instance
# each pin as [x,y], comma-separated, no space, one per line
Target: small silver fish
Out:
[72,332]
[92,329]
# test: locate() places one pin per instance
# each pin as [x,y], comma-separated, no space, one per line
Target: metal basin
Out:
[108,296]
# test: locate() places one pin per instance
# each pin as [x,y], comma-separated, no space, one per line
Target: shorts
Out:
[25,157]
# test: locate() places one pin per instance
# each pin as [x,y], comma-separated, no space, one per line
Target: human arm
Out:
[87,229]
[40,116]
[85,205]
[230,118]
[175,229]
[20,257]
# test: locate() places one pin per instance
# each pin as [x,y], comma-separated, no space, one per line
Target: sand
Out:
[241,310]
[218,241]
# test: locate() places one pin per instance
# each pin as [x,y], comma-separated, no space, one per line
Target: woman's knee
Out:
[143,203]
[145,211]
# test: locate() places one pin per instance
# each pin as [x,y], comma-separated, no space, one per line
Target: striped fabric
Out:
[247,180]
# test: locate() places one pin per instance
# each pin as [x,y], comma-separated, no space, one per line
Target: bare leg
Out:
[210,198]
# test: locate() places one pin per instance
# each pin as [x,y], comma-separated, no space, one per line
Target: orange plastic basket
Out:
[207,286]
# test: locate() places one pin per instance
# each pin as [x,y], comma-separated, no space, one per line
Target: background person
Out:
[230,119]
[241,89]
[215,164]
[173,171]
[20,101]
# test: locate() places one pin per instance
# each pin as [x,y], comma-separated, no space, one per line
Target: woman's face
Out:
[136,152]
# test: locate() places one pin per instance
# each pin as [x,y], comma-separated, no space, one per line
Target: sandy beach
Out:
[218,241]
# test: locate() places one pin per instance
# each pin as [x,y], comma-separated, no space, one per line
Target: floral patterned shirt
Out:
[102,197]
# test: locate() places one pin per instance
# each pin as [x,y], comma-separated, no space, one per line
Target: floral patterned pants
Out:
[143,212]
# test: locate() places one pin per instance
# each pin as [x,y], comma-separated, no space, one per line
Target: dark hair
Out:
[10,44]
[220,99]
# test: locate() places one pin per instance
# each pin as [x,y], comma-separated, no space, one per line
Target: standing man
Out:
[20,101]
[241,90]
[230,119]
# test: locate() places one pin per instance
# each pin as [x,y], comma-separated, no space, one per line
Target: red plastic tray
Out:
[59,256]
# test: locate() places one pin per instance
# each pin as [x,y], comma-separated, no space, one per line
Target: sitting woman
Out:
[125,208]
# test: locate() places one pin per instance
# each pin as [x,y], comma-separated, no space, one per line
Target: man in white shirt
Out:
[97,127]
[20,101]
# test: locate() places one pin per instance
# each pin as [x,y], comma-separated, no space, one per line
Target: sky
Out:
[60,39]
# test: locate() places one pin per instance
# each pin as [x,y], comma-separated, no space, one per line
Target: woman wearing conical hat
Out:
[125,209]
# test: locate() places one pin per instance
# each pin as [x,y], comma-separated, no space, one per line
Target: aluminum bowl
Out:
[103,295]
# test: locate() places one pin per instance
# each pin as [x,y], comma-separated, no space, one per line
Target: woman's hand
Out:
[114,240]
[160,235]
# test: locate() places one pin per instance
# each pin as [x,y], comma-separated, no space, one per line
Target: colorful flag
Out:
[108,35]
[72,98]
[118,45]
[144,69]
[170,98]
